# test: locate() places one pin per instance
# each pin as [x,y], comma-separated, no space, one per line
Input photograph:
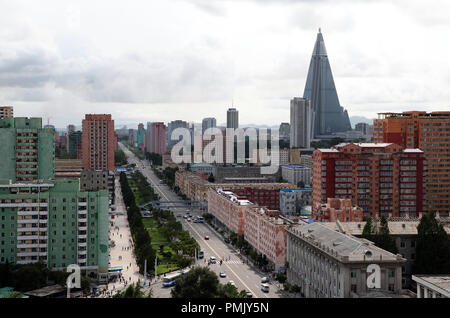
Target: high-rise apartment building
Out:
[328,116]
[285,131]
[233,118]
[209,122]
[6,111]
[74,144]
[54,222]
[156,138]
[171,127]
[98,142]
[141,134]
[430,132]
[382,179]
[300,123]
[28,150]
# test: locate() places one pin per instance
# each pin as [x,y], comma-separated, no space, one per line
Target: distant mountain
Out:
[360,119]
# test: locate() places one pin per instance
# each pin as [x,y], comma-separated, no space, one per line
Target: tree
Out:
[368,228]
[432,248]
[132,291]
[380,237]
[200,282]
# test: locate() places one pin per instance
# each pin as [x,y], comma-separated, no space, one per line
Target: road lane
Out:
[242,274]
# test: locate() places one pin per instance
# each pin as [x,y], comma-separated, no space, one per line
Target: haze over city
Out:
[186,59]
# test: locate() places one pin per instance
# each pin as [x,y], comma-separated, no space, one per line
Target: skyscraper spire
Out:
[327,114]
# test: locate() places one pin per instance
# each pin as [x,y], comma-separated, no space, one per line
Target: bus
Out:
[170,280]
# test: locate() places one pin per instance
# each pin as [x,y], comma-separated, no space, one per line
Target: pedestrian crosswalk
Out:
[233,262]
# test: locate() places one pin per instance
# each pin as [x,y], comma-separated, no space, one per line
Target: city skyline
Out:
[62,63]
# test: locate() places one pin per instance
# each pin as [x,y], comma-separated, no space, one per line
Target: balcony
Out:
[82,252]
[83,244]
[84,220]
[82,212]
[82,236]
[82,228]
[82,203]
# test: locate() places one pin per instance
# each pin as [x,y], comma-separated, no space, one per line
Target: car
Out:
[264,280]
[178,215]
[231,283]
[206,237]
[249,294]
[185,217]
[212,260]
[265,288]
[222,274]
[189,219]
[226,240]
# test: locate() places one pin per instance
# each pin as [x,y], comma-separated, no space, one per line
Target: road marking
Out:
[212,249]
[217,254]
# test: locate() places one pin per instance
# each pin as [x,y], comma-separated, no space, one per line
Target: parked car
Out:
[265,288]
[264,280]
[249,294]
[212,260]
[232,283]
[206,237]
[185,217]
[222,274]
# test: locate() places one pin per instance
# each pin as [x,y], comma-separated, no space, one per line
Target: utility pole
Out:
[156,266]
[145,271]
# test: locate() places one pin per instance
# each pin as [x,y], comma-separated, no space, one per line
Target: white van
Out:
[212,260]
[264,280]
[265,288]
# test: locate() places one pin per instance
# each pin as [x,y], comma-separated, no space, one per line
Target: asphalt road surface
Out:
[243,275]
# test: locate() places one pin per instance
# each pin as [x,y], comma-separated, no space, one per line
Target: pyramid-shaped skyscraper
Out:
[327,114]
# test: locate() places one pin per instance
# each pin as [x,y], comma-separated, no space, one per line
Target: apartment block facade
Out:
[262,228]
[292,201]
[338,209]
[27,149]
[6,111]
[196,188]
[430,132]
[381,179]
[327,264]
[56,223]
[98,142]
[228,208]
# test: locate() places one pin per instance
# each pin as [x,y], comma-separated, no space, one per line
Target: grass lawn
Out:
[152,228]
[165,268]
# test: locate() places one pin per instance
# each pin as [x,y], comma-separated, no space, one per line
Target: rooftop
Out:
[339,245]
[295,167]
[440,282]
[395,227]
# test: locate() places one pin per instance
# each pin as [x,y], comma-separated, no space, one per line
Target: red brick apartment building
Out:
[430,132]
[381,179]
[98,142]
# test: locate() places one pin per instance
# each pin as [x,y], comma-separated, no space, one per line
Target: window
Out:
[353,274]
[391,272]
[391,287]
[353,286]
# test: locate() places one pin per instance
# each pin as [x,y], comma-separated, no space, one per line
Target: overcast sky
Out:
[159,60]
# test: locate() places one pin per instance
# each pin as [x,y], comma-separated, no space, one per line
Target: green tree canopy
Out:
[432,248]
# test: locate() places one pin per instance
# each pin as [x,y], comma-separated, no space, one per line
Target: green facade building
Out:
[43,219]
[27,149]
